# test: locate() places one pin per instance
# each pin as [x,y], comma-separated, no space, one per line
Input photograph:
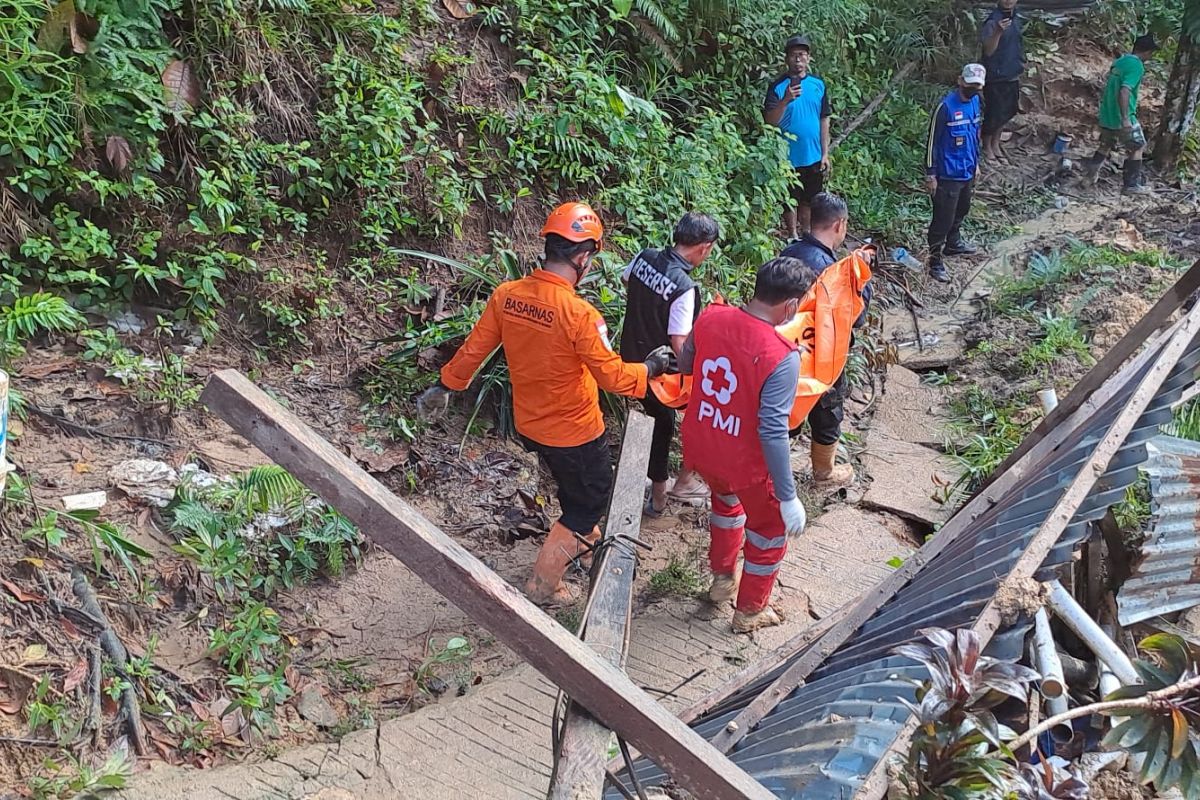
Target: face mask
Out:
[971,91]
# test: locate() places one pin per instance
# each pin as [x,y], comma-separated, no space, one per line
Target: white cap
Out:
[974,74]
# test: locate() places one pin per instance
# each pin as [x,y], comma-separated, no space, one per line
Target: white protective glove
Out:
[432,402]
[794,517]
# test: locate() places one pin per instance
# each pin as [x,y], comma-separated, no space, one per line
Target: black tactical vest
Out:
[657,279]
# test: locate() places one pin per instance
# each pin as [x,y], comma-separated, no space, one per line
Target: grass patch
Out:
[1060,338]
[1133,512]
[982,435]
[569,617]
[1186,421]
[678,578]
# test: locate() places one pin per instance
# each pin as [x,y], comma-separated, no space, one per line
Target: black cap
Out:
[1145,43]
[797,41]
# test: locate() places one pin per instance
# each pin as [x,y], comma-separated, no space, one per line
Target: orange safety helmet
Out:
[575,222]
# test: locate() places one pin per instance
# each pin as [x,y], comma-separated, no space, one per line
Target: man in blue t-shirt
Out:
[797,104]
[951,162]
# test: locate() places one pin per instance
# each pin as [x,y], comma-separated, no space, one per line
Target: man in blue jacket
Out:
[798,105]
[816,250]
[951,162]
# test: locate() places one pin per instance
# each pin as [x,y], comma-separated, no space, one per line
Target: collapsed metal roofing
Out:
[1166,577]
[823,739]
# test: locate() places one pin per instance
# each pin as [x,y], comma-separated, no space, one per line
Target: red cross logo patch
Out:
[719,381]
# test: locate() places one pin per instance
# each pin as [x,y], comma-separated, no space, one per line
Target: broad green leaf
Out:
[1129,733]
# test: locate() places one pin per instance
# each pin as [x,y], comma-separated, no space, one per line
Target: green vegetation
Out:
[71,777]
[1133,512]
[252,535]
[982,435]
[1060,336]
[454,656]
[679,578]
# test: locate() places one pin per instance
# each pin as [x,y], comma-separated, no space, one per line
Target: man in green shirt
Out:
[1118,114]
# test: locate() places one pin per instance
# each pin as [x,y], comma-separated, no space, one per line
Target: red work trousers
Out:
[748,520]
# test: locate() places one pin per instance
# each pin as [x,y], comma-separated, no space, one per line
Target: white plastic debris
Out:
[127,322]
[5,467]
[91,501]
[152,482]
[192,476]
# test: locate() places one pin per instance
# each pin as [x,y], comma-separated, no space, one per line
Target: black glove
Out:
[659,360]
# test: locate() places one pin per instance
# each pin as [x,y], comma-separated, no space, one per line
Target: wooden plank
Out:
[442,563]
[579,765]
[1158,316]
[980,503]
[876,784]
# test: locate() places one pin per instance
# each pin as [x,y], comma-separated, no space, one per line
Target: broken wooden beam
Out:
[875,786]
[579,763]
[478,591]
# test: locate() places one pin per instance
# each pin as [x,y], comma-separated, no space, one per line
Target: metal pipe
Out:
[1045,657]
[1063,732]
[1089,632]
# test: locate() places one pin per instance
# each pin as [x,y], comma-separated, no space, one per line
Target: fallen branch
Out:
[115,651]
[1148,700]
[873,106]
[94,702]
[88,430]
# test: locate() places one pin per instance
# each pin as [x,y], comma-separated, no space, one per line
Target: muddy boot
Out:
[724,588]
[546,587]
[827,474]
[1133,178]
[937,271]
[747,621]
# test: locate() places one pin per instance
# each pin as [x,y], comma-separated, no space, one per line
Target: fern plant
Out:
[29,315]
[259,531]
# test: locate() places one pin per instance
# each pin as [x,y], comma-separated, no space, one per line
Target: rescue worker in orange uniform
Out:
[559,357]
[735,434]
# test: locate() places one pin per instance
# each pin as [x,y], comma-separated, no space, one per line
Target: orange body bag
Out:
[822,327]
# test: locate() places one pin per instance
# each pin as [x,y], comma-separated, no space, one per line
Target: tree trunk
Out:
[1179,109]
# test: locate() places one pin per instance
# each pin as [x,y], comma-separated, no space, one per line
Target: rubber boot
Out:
[546,587]
[1133,177]
[747,621]
[825,472]
[724,588]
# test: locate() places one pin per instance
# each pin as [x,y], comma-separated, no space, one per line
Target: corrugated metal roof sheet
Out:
[1167,576]
[821,741]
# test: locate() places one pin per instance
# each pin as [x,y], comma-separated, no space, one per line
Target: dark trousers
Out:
[825,420]
[659,468]
[584,477]
[951,202]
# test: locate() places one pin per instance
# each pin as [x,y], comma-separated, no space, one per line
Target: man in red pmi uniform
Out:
[735,434]
[559,357]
